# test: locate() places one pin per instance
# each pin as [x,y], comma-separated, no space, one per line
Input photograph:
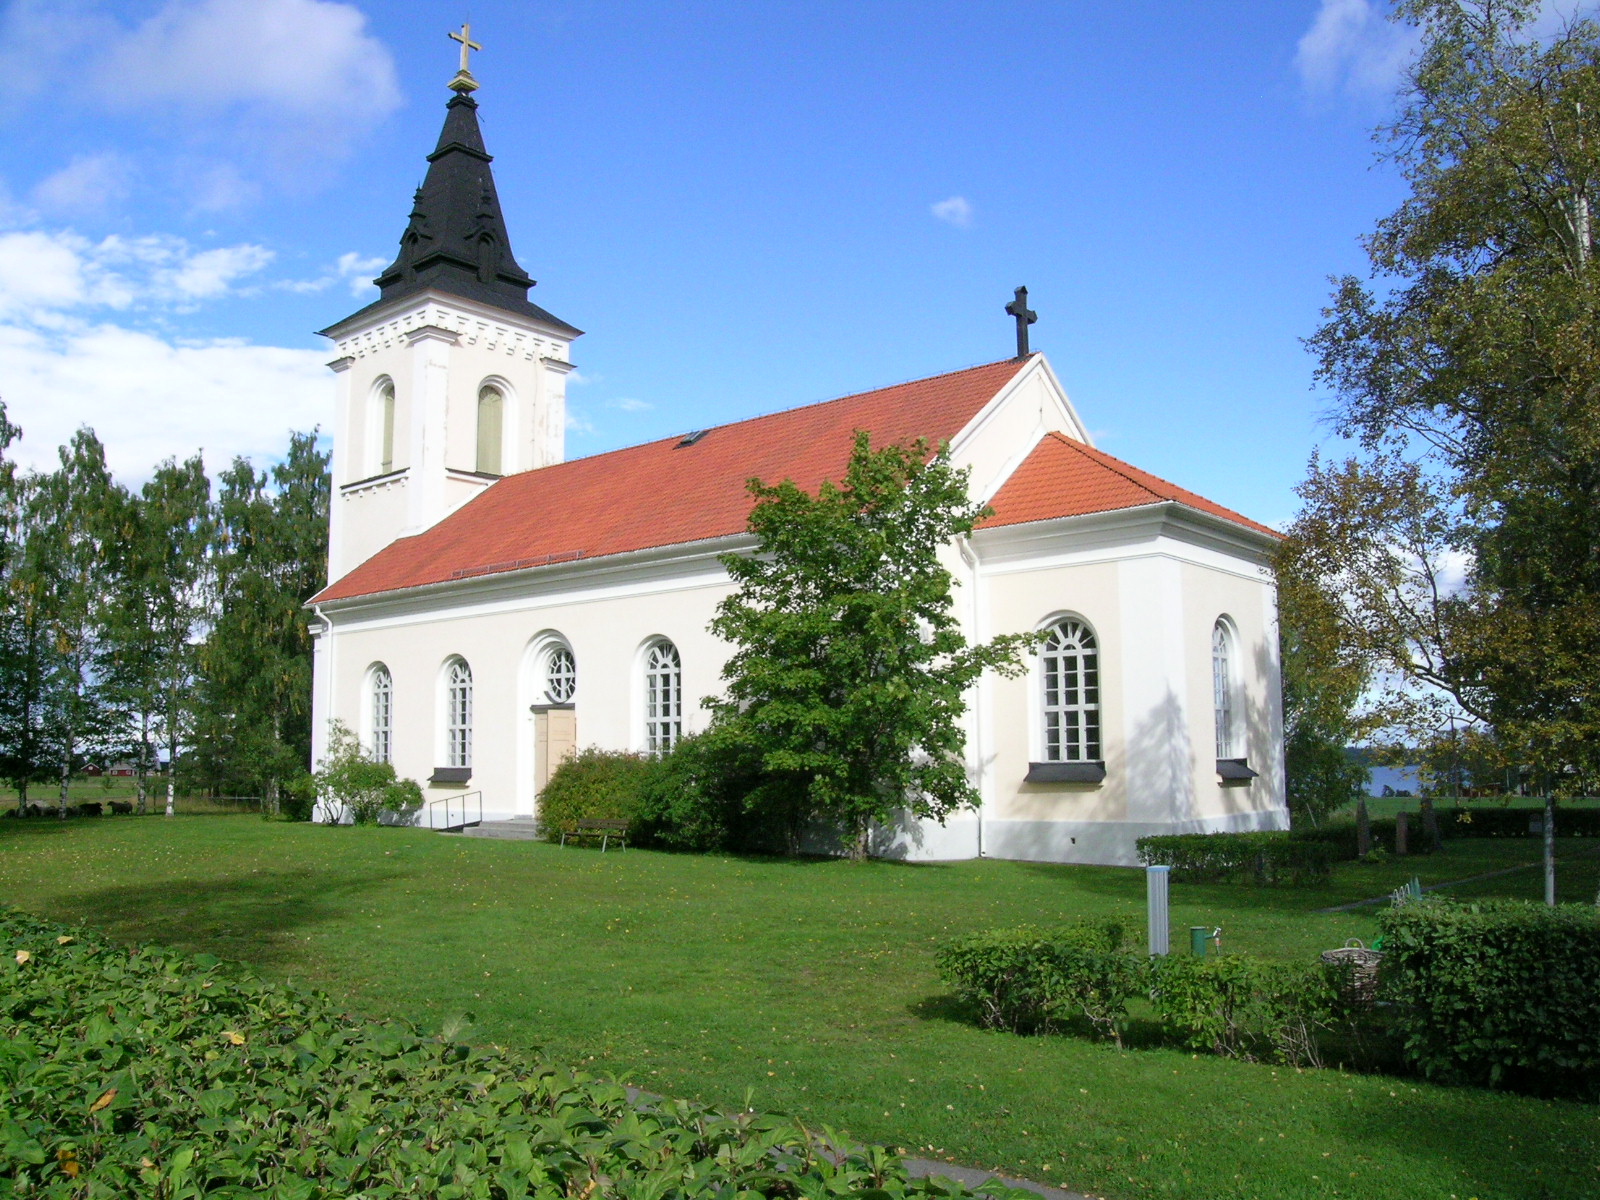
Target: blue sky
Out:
[747,206]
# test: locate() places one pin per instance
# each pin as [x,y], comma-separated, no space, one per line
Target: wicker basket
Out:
[1361,981]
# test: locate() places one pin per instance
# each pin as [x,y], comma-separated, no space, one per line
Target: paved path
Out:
[1433,887]
[923,1168]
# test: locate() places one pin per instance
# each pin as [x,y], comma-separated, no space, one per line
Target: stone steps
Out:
[518,829]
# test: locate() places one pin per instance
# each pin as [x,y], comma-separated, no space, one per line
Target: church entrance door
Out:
[555,735]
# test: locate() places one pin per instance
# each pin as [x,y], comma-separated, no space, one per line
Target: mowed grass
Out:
[811,986]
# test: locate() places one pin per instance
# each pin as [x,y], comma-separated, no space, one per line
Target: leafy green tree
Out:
[1469,360]
[156,614]
[270,555]
[73,517]
[847,684]
[1323,685]
[26,651]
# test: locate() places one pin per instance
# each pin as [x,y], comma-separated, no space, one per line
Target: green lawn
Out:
[119,787]
[812,984]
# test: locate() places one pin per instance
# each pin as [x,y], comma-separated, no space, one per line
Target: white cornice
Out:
[1112,534]
[657,568]
[473,322]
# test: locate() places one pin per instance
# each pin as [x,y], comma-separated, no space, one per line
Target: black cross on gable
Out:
[1025,316]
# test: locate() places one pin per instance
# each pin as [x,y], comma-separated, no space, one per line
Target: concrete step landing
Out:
[518,829]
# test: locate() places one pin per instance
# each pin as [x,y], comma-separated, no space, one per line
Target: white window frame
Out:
[1225,688]
[662,708]
[458,713]
[1070,725]
[380,713]
[558,671]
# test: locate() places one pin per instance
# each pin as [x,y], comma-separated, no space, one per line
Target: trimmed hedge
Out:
[1468,821]
[1029,980]
[593,784]
[1262,858]
[1243,1007]
[143,1072]
[1499,993]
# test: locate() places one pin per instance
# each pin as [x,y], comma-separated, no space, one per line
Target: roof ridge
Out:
[1114,464]
[778,412]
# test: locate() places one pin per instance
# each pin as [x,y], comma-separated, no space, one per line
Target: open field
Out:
[812,984]
[117,787]
[1388,806]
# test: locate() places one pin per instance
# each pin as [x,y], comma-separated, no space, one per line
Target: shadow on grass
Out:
[252,918]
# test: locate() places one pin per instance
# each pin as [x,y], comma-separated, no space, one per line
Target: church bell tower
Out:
[452,377]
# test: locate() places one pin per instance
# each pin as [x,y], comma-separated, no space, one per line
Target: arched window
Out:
[1070,674]
[380,714]
[458,715]
[386,429]
[663,698]
[491,417]
[560,675]
[1222,674]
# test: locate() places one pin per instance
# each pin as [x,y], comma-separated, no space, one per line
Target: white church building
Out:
[492,606]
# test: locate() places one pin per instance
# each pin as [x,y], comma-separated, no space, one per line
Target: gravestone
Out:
[1401,820]
[1363,829]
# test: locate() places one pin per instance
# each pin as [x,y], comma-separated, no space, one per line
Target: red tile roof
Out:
[1065,478]
[659,494]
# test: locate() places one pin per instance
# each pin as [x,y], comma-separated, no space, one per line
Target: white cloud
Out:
[630,405]
[212,273]
[89,184]
[957,211]
[65,362]
[38,270]
[578,424]
[43,274]
[357,272]
[220,187]
[311,62]
[149,398]
[351,269]
[243,93]
[1352,46]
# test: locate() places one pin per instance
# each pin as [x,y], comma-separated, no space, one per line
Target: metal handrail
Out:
[465,807]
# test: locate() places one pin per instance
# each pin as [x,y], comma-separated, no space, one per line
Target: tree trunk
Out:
[144,761]
[1550,849]
[172,773]
[66,776]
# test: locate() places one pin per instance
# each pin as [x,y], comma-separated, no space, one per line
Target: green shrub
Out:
[1500,993]
[593,784]
[299,800]
[1263,858]
[141,1072]
[1243,1007]
[682,803]
[1030,980]
[355,788]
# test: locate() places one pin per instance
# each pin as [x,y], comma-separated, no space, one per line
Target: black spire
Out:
[456,239]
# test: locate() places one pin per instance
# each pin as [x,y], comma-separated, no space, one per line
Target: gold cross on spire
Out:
[464,82]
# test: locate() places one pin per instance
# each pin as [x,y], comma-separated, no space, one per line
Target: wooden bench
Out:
[601,829]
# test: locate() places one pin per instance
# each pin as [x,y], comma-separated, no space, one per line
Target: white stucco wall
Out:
[1151,582]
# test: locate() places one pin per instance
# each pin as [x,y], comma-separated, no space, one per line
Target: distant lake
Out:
[1401,779]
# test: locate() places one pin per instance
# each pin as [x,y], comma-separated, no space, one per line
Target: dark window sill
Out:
[1065,772]
[1234,770]
[450,775]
